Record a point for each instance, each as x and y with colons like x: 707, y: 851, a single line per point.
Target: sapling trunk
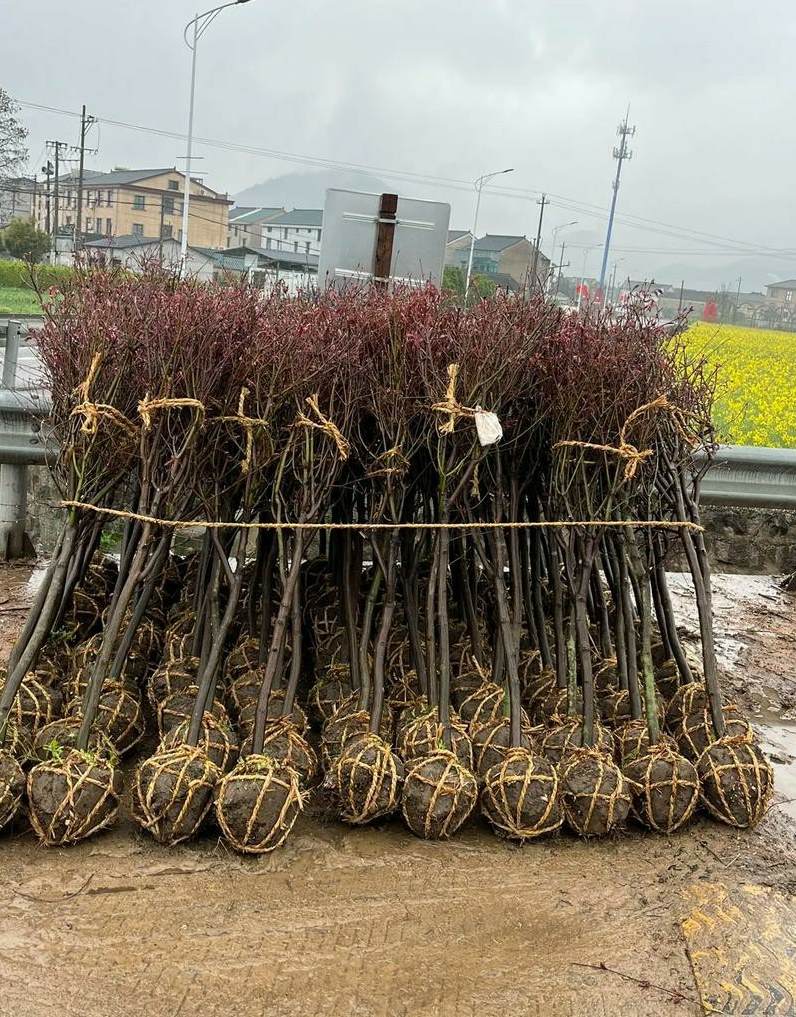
x: 277, y: 641
x: 409, y: 586
x: 382, y: 639
x: 41, y: 629
x: 444, y: 656
x: 558, y: 618
x: 266, y: 601
x: 150, y: 581
x: 350, y: 606
x: 601, y: 611
x: 670, y: 623
x: 527, y: 591
x: 38, y: 603
x: 572, y: 663
x: 620, y: 640
x: 507, y: 640
x: 631, y: 658
x: 536, y: 590
x: 702, y: 590
x: 640, y: 571
x: 365, y: 636
x: 296, y: 639
x: 431, y: 622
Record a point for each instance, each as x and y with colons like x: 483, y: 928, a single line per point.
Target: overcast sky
x: 454, y: 89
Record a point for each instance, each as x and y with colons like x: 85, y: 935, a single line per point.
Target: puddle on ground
x: 778, y: 741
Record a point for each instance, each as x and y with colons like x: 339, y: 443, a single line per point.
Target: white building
x: 298, y: 231
x: 134, y: 252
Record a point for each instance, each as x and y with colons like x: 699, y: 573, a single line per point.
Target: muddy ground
x: 375, y: 923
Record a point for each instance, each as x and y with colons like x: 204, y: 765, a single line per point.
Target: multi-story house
x: 496, y: 255
x: 299, y: 231
x: 143, y: 203
x: 246, y: 225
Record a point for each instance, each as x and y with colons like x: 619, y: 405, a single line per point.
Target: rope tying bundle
x: 451, y: 405
x: 326, y: 425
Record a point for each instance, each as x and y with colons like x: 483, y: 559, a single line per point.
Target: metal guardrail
x: 740, y: 475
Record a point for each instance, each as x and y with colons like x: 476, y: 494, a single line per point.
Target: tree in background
x: 453, y: 280
x: 22, y: 240
x: 13, y: 151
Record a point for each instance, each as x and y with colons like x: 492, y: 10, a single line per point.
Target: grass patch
x: 16, y: 300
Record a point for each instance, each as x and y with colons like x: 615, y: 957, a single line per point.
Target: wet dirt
x: 376, y: 923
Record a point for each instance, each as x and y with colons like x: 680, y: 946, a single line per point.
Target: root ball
x: 72, y: 798
x: 173, y: 792
x: 216, y: 739
x: 737, y: 781
x: 665, y: 788
x: 438, y: 795
x: 520, y: 795
x: 368, y: 776
x: 594, y: 794
x: 12, y: 787
x: 257, y: 804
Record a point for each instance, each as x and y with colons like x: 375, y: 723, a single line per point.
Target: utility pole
x: 680, y: 305
x: 56, y: 147
x: 561, y: 266
x: 48, y: 172
x: 85, y: 123
x: 737, y: 300
x: 621, y: 152
x: 534, y: 267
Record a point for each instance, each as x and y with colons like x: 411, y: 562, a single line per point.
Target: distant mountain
x: 306, y: 190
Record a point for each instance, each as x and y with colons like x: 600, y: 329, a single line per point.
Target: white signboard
x: 350, y: 228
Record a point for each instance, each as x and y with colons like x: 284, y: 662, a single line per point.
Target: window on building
x: 267, y: 242
x: 109, y: 198
x: 89, y: 225
x: 295, y: 246
x: 69, y: 220
x: 285, y: 232
x: 166, y: 232
x: 179, y: 235
x: 138, y: 229
x: 174, y: 185
x: 788, y: 296
x: 138, y: 201
x: 319, y: 234
x: 307, y: 247
x: 108, y: 227
x: 168, y: 204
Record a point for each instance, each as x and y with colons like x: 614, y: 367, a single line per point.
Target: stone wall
x: 751, y: 541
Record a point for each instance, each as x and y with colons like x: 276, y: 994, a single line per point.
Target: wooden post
x: 385, y: 234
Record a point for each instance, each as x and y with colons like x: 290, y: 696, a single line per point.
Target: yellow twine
x: 248, y: 424
x: 147, y: 405
x: 213, y: 524
x: 325, y: 425
x: 451, y: 404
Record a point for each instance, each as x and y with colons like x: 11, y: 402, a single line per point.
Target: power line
x: 525, y: 194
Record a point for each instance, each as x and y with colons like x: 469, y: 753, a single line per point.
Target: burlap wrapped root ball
x: 55, y: 738
x: 536, y: 690
x: 257, y: 804
x: 595, y: 796
x: 12, y: 787
x: 173, y: 792
x: 689, y: 698
x: 119, y: 717
x: 72, y: 797
x: 667, y: 678
x: 424, y: 734
x: 438, y: 795
x: 482, y: 706
x: 276, y: 705
x: 555, y: 708
x: 492, y: 743
x: 561, y: 741
x: 329, y: 693
x: 35, y: 704
x: 368, y: 776
x: 520, y: 795
x: 737, y: 781
x: 216, y: 739
x: 179, y: 707
x: 632, y: 740
x: 695, y: 731
x: 171, y: 677
x: 286, y: 745
x: 665, y: 788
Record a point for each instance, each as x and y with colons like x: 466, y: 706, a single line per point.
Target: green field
x: 16, y: 300
x: 756, y: 396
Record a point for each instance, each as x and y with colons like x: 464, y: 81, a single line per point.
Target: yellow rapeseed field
x: 756, y: 397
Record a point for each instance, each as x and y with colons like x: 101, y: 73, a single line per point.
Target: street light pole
x: 556, y: 230
x: 200, y: 23
x: 479, y: 186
